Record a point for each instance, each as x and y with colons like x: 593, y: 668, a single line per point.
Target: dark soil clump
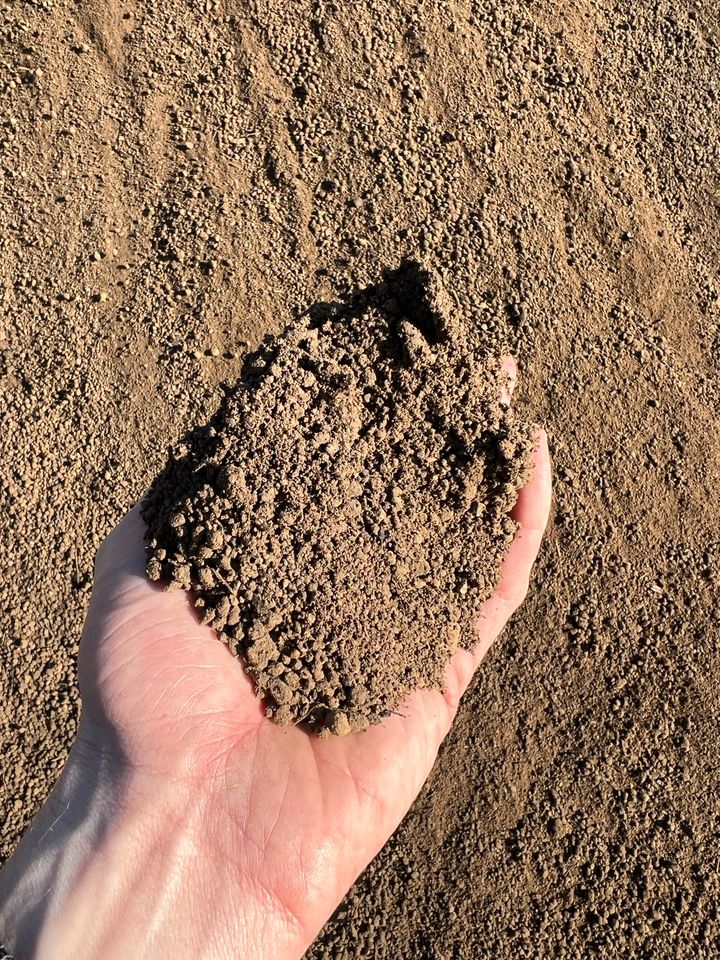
x: 343, y: 516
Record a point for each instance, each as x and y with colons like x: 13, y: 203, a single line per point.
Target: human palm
x: 287, y: 820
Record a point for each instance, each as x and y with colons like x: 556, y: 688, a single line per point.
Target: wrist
x: 55, y: 851
x: 121, y: 862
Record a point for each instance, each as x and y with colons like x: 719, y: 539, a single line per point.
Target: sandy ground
x: 180, y: 177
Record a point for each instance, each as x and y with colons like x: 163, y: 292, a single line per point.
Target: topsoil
x: 344, y: 514
x: 178, y: 176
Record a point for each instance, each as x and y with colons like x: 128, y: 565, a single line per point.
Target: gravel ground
x: 179, y: 178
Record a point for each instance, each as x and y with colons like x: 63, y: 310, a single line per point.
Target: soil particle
x: 358, y: 479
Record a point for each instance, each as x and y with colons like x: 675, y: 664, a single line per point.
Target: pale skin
x: 185, y: 823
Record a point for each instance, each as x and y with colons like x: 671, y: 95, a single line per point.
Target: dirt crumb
x: 343, y: 515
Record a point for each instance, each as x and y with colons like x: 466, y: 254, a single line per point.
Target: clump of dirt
x: 344, y: 514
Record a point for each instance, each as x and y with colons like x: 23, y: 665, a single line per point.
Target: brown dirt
x: 342, y: 517
x: 176, y: 175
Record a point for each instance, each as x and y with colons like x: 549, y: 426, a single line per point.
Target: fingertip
x: 532, y: 509
x: 542, y: 463
x: 531, y: 514
x: 509, y: 367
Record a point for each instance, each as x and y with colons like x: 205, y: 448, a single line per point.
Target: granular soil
x: 175, y: 174
x: 344, y: 514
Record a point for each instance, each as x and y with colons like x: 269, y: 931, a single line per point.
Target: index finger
x: 531, y: 513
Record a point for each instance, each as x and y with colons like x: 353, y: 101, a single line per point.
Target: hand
x: 208, y: 830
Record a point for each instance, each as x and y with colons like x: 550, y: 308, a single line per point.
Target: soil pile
x: 344, y: 514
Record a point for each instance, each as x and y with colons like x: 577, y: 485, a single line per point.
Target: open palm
x: 287, y: 820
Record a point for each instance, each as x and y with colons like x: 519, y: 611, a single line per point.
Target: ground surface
x: 178, y: 176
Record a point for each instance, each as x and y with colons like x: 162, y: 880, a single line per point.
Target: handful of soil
x: 344, y: 514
